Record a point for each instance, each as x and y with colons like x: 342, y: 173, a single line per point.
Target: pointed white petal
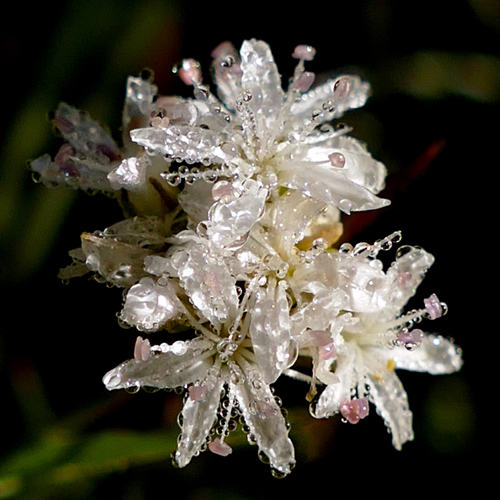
x: 270, y: 331
x: 191, y: 144
x: 335, y: 394
x: 197, y: 420
x: 261, y: 78
x: 230, y: 221
x: 163, y: 371
x: 266, y: 422
x: 389, y: 396
x: 359, y: 166
x: 436, y: 355
x: 353, y: 97
x: 327, y: 185
x: 208, y: 282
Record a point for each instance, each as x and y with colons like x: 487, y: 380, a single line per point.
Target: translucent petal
x: 229, y: 222
x: 148, y: 306
x: 391, y: 401
x: 436, y: 355
x: 355, y: 97
x: 227, y: 69
x: 261, y: 78
x: 192, y: 144
x: 198, y: 418
x: 77, y: 172
x: 138, y: 98
x: 163, y: 371
x: 292, y: 213
x: 406, y: 273
x: 85, y: 134
x: 119, y: 263
x: 270, y: 331
x: 329, y: 186
x: 130, y: 174
x: 266, y: 422
x: 209, y: 284
x: 359, y: 166
x: 364, y: 282
x: 334, y: 394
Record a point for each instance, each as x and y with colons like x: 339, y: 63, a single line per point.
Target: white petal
x: 197, y: 420
x: 270, y: 331
x: 266, y: 422
x: 405, y: 274
x: 335, y: 394
x: 312, y: 100
x: 292, y: 213
x: 192, y: 144
x: 388, y: 395
x: 148, y: 306
x: 261, y: 78
x: 163, y: 371
x: 230, y: 222
x: 130, y: 174
x: 209, y: 283
x: 360, y: 167
x: 325, y: 184
x: 436, y: 355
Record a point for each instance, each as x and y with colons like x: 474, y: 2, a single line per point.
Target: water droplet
x: 277, y: 473
x: 345, y: 248
x: 133, y: 389
x: 403, y: 251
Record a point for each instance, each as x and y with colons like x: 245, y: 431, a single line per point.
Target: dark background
x: 435, y: 71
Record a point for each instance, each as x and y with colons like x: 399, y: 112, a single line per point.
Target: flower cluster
x: 233, y: 206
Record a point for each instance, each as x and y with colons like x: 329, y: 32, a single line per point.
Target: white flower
x: 258, y: 131
x: 91, y: 160
x: 234, y: 252
x: 227, y: 367
x: 371, y: 338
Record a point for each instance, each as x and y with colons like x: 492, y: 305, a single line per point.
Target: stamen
x: 190, y: 72
x: 142, y: 349
x: 356, y: 409
x: 410, y: 339
x: 219, y: 447
x: 337, y: 160
x: 433, y: 307
x: 304, y: 52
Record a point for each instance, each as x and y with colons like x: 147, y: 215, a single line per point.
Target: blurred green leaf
x: 59, y: 459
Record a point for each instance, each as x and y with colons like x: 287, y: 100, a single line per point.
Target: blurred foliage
x: 435, y: 71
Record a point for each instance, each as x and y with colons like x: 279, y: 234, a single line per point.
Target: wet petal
x: 388, y: 395
x: 208, y: 282
x: 192, y: 144
x: 266, y: 422
x: 270, y: 331
x: 163, y: 371
x: 261, y: 78
x: 435, y: 355
x: 230, y: 221
x: 352, y: 93
x: 327, y: 185
x: 198, y: 417
x: 336, y: 393
x: 357, y: 163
